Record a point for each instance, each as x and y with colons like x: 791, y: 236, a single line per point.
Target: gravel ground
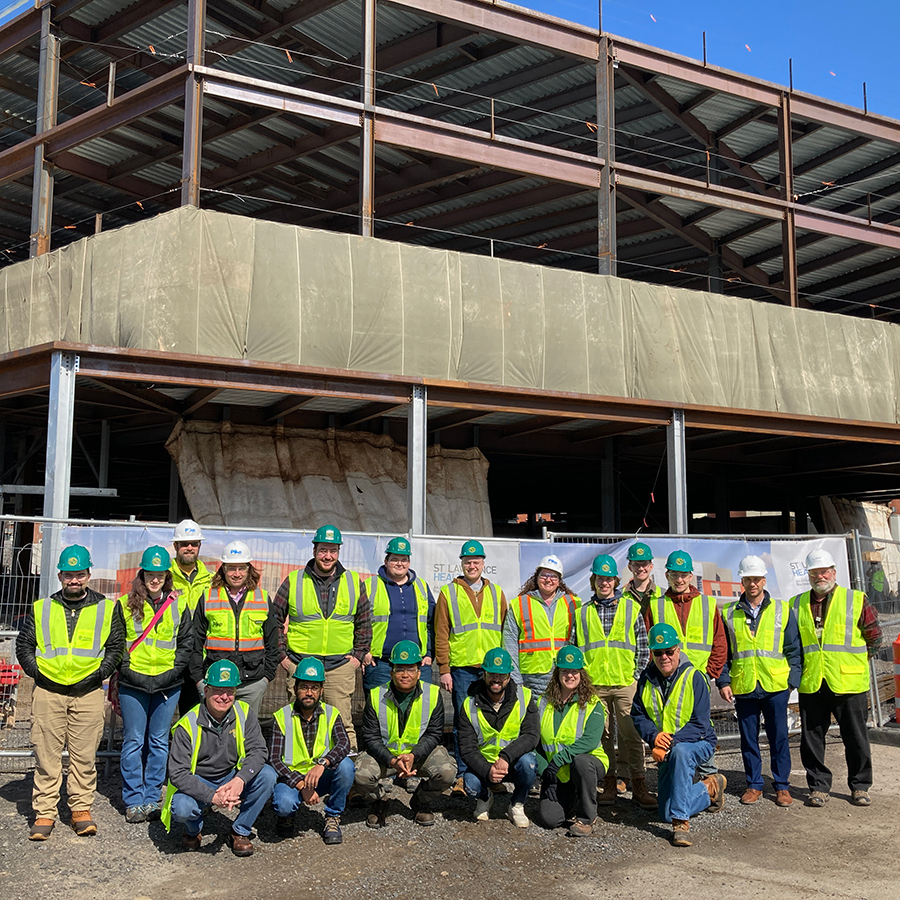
x: 762, y: 850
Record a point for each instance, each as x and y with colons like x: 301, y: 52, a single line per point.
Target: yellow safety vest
x: 156, y: 653
x: 190, y: 722
x: 539, y: 639
x: 697, y: 638
x: 221, y: 634
x: 377, y: 590
x: 571, y: 728
x: 655, y: 594
x: 491, y: 741
x: 420, y: 712
x: 192, y: 591
x: 840, y: 658
x: 760, y: 657
x: 675, y: 711
x: 57, y: 658
x: 308, y: 630
x: 610, y: 658
x: 297, y: 756
x: 470, y: 636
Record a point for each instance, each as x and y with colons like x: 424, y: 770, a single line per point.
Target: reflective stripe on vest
x: 297, y: 756
x: 156, y: 653
x: 758, y: 657
x: 57, y: 658
x: 841, y: 657
x: 381, y: 613
x: 697, y: 637
x: 539, y: 641
x: 308, y: 630
x: 491, y: 741
x: 675, y: 711
x: 471, y: 637
x: 420, y: 712
x: 220, y: 633
x: 570, y: 730
x: 609, y: 659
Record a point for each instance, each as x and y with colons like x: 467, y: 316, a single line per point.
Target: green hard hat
x: 74, y: 559
x: 605, y: 566
x: 679, y: 561
x: 471, y: 548
x: 498, y: 661
x: 405, y: 653
x: 639, y: 552
x: 156, y: 559
x: 662, y: 636
x: 223, y: 673
x: 310, y: 669
x: 399, y: 546
x: 569, y: 657
x: 328, y: 534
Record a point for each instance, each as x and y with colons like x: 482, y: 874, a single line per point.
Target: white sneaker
x: 483, y: 808
x: 516, y: 815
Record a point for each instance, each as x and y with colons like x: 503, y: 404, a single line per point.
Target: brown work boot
x: 82, y: 823
x: 607, y: 797
x: 621, y: 786
x: 41, y: 829
x: 422, y: 808
x: 641, y: 795
x: 681, y: 833
x: 783, y: 798
x: 715, y: 784
x: 191, y: 841
x: 377, y: 815
x: 241, y: 845
x: 751, y: 795
x: 458, y: 790
x: 580, y: 829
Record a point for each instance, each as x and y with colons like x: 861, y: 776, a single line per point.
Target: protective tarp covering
x: 200, y: 282
x: 290, y: 477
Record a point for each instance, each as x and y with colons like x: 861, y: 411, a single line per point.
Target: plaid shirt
x: 606, y: 610
x: 868, y: 623
x: 339, y: 749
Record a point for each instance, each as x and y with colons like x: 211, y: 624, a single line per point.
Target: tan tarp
x: 207, y: 283
x: 289, y: 477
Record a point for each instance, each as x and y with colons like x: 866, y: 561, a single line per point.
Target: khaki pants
x: 617, y: 701
x: 438, y: 772
x: 60, y: 721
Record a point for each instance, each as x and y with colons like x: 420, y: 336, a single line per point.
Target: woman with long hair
x: 158, y: 645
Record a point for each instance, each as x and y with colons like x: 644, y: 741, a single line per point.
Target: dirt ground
x: 762, y: 851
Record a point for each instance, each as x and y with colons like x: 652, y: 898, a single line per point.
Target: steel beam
x: 677, y: 469
x: 788, y: 223
x: 606, y: 148
x: 416, y: 447
x: 367, y: 123
x: 193, y: 106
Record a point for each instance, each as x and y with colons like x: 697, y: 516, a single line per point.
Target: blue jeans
x: 380, y: 673
x: 463, y: 678
x: 521, y: 775
x: 773, y: 708
x: 336, y: 783
x: 680, y: 797
x: 146, y: 720
x: 189, y: 812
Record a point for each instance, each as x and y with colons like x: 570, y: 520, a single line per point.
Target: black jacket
x: 428, y: 740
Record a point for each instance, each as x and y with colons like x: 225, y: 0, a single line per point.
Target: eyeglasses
x: 188, y: 543
x: 670, y: 651
x: 548, y: 576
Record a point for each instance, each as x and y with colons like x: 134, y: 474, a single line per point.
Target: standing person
x: 191, y: 578
x: 159, y: 641
x: 402, y: 610
x: 671, y: 713
x: 234, y: 622
x: 540, y: 622
x: 840, y: 633
x: 468, y: 619
x: 499, y: 729
x: 642, y: 587
x: 764, y: 666
x: 611, y: 633
x: 571, y: 760
x: 329, y: 616
x: 69, y: 643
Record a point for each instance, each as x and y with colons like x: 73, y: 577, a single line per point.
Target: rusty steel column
x: 788, y: 225
x: 48, y: 85
x: 192, y: 151
x: 606, y: 149
x: 367, y: 123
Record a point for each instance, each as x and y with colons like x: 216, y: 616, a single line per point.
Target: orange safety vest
x: 222, y: 634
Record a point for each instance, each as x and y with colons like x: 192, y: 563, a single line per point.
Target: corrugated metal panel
x: 98, y: 11
x: 241, y: 144
x: 721, y: 110
x: 725, y: 222
x: 167, y: 32
x: 102, y: 150
x: 821, y: 251
x: 764, y: 239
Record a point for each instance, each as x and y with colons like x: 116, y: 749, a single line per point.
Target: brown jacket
x: 442, y: 620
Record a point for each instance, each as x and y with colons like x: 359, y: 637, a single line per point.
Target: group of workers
x: 547, y: 687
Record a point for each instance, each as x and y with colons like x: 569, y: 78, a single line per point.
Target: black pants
x: 850, y: 711
x: 575, y: 798
x: 190, y: 696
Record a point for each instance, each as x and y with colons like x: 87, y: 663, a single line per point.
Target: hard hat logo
x: 73, y: 560
x: 404, y: 654
x: 680, y: 561
x: 639, y: 552
x: 605, y: 567
x: 224, y: 674
x: 311, y: 671
x: 498, y: 660
x: 157, y: 560
x: 329, y: 534
x: 659, y: 639
x: 569, y: 657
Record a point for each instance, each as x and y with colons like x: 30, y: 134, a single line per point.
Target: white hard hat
x: 819, y: 559
x: 751, y: 565
x: 187, y: 530
x: 552, y: 563
x: 237, y: 552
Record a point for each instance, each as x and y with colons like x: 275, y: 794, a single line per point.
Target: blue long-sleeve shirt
x: 403, y: 623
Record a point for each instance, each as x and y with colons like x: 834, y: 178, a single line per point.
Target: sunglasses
x: 669, y: 651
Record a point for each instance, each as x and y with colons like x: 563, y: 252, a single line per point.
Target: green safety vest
x: 297, y: 756
x: 610, y: 658
x: 840, y: 658
x: 420, y: 712
x: 697, y: 638
x: 539, y: 639
x: 675, y: 711
x: 377, y: 590
x: 221, y: 634
x: 491, y: 741
x: 192, y: 591
x: 64, y: 662
x: 190, y: 722
x: 156, y: 653
x: 309, y: 632
x: 571, y: 728
x: 760, y: 657
x: 470, y: 636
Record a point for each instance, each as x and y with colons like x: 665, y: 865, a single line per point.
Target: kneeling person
x: 402, y: 726
x: 217, y: 757
x: 571, y: 759
x: 499, y: 729
x: 310, y: 753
